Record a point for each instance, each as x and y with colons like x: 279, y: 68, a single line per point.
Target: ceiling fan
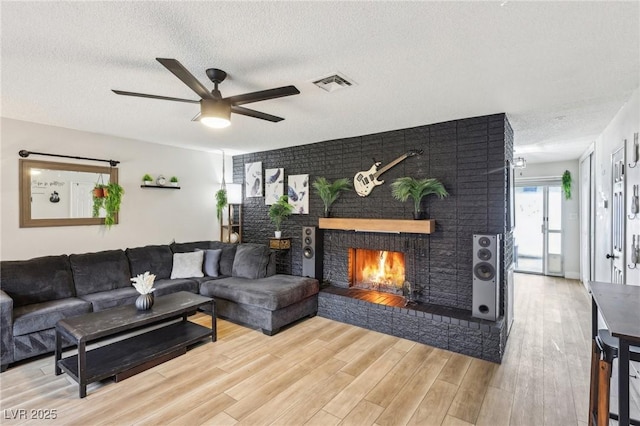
x: 215, y: 111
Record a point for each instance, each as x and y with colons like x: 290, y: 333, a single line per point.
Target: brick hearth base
x: 438, y: 326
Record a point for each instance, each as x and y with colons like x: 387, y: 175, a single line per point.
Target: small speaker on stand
x: 312, y: 252
x: 486, y: 276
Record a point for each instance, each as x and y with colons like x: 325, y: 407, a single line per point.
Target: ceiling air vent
x: 333, y: 82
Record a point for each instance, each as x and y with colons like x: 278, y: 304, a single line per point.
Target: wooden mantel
x: 426, y: 226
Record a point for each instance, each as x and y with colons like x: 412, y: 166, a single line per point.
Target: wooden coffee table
x: 134, y: 354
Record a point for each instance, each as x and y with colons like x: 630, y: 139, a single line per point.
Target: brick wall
x: 467, y: 155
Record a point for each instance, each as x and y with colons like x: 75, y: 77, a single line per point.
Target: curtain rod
x: 24, y: 154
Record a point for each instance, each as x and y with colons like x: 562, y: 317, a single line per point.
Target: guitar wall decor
x: 366, y: 180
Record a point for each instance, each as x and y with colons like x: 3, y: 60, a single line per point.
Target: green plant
x: 329, y: 192
x: 147, y: 178
x: 566, y: 184
x: 221, y: 202
x: 174, y: 179
x: 98, y: 199
x: 407, y: 187
x: 279, y: 211
x: 112, y: 201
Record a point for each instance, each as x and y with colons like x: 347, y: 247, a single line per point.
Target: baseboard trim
x: 572, y: 275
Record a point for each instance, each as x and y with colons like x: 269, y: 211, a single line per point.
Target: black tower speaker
x: 486, y: 277
x: 312, y: 252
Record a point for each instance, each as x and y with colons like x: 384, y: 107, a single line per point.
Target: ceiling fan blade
x: 143, y: 95
x: 263, y: 95
x: 255, y: 114
x: 187, y: 78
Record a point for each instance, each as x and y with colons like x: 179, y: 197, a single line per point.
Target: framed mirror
x: 60, y: 194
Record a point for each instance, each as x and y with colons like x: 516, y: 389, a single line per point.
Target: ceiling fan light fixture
x: 215, y: 114
x: 215, y: 122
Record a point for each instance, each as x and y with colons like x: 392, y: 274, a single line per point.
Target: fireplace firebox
x: 379, y: 270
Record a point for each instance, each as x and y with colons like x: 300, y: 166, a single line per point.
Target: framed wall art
x: 273, y: 185
x: 298, y: 193
x: 253, y: 179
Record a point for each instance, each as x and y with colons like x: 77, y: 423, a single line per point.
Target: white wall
x: 147, y: 216
x: 570, y: 209
x: 625, y: 123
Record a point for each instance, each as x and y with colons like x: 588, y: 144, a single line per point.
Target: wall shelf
x: 160, y: 186
x: 427, y: 226
x: 280, y: 243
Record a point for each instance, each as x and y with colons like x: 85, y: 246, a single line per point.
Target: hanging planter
x: 98, y: 192
x: 566, y: 184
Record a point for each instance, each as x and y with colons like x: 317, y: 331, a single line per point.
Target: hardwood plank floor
x: 321, y: 372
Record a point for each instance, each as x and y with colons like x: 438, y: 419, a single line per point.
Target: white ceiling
x: 560, y: 70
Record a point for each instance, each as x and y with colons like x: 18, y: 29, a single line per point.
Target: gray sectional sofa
x: 36, y: 293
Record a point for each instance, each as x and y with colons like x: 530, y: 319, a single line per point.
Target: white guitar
x: 366, y: 180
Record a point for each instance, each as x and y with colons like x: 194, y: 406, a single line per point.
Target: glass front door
x: 538, y: 232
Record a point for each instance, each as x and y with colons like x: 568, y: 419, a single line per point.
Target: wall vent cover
x: 333, y: 82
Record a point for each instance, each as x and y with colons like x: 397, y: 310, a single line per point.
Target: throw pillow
x: 211, y: 264
x: 250, y: 261
x: 187, y: 265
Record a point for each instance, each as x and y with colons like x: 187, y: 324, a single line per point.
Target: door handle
x: 612, y: 256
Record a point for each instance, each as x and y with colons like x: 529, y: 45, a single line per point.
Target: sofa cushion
x: 163, y: 287
x: 211, y: 262
x: 251, y: 261
x: 189, y: 247
x: 37, y: 280
x: 42, y: 316
x: 158, y: 260
x: 186, y: 265
x: 226, y: 257
x: 102, y: 271
x: 112, y: 298
x: 271, y: 266
x: 272, y: 293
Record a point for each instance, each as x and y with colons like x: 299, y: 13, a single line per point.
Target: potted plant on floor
x: 278, y: 212
x: 329, y: 192
x: 147, y: 179
x: 407, y: 187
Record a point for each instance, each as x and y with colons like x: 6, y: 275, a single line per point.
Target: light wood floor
x: 322, y: 372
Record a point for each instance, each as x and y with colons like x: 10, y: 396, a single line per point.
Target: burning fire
x: 378, y: 267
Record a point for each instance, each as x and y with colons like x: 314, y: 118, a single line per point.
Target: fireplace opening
x: 379, y: 270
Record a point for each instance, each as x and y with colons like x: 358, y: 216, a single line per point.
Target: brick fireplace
x: 468, y: 156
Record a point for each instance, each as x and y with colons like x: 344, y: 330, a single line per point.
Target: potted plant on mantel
x: 278, y: 212
x: 407, y: 187
x: 329, y: 192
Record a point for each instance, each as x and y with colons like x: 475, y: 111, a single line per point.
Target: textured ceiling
x: 560, y: 70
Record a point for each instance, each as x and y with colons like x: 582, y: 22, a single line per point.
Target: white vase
x: 278, y: 234
x: 147, y: 182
